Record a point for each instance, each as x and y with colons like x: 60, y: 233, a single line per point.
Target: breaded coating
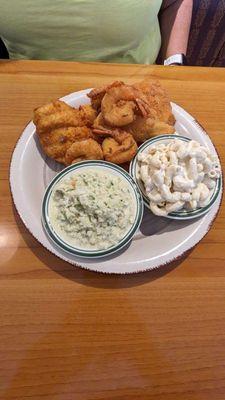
x: 59, y: 114
x: 158, y: 101
x: 56, y: 143
x: 119, y: 117
x: 81, y: 150
x: 118, y: 147
x: 59, y: 125
x: 142, y: 109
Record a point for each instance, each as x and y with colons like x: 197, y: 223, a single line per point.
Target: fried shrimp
x: 159, y: 119
x: 141, y: 129
x: 96, y: 95
x: 121, y: 104
x: 87, y: 149
x: 119, y: 147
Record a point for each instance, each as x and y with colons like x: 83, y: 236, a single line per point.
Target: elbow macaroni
x: 178, y: 175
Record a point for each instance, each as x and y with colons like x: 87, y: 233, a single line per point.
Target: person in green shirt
x: 123, y: 31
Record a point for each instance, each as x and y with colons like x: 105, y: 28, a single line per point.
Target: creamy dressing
x: 92, y: 209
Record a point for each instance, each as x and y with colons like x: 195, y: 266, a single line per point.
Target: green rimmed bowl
x: 84, y: 166
x: 182, y: 214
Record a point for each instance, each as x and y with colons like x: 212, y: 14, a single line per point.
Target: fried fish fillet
x: 58, y: 126
x: 59, y: 114
x: 159, y: 120
x: 143, y: 129
x: 57, y: 142
x: 158, y: 101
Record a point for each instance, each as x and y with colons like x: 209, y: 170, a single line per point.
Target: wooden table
x: 69, y: 334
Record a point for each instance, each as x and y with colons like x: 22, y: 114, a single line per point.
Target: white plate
x: 159, y: 240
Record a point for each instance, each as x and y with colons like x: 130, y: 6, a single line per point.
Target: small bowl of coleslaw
x: 179, y: 178
x: 92, y: 209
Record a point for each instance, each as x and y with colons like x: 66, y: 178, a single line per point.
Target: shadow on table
x: 89, y: 278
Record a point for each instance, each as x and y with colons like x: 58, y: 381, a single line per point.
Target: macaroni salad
x: 178, y: 175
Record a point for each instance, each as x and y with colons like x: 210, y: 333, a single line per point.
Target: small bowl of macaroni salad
x: 179, y: 178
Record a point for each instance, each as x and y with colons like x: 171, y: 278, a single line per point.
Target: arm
x: 175, y: 22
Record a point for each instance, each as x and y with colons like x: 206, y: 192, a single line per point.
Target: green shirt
x: 125, y: 31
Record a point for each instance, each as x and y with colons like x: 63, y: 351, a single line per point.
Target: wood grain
x: 71, y: 334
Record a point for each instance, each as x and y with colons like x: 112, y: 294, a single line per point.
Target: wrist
x: 176, y: 59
